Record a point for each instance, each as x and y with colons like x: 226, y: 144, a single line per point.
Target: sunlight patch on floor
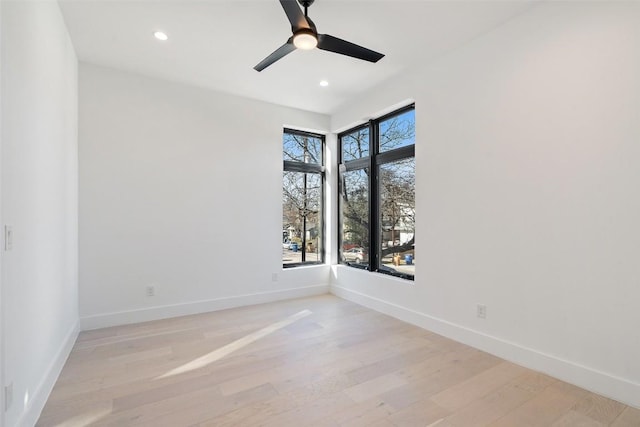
x: 84, y: 420
x: 218, y: 354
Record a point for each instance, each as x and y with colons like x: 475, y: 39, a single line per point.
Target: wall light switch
x: 8, y: 237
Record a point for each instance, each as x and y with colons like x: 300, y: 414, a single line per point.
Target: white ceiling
x: 215, y: 43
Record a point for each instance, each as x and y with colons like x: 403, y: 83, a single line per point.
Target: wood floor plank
x: 311, y: 412
x: 253, y: 414
x: 362, y: 414
x: 599, y: 408
x: 375, y: 386
x: 196, y: 412
x: 337, y: 364
x: 541, y: 411
x: 421, y: 413
x: 461, y: 394
x: 393, y: 363
x: 383, y: 423
x: 500, y: 402
x: 150, y: 412
x: 576, y: 419
x: 630, y: 417
x: 433, y: 375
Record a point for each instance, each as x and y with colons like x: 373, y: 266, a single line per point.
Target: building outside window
x: 377, y: 195
x: 302, y: 198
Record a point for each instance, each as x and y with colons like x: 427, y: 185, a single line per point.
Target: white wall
x: 180, y: 188
x: 39, y: 199
x: 527, y: 194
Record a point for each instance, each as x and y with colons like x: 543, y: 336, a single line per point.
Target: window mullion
x: 357, y: 164
x: 302, y: 167
x: 395, y: 155
x: 374, y: 216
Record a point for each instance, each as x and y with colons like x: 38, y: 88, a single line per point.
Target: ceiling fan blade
x: 343, y: 47
x: 279, y: 53
x: 295, y: 15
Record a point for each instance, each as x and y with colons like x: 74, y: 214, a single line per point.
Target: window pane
x: 377, y: 224
x: 301, y: 217
x: 355, y: 145
x: 302, y: 148
x: 355, y: 217
x: 397, y: 216
x: 398, y: 131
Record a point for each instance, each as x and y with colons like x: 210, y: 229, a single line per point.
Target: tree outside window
x: 302, y: 198
x: 377, y: 180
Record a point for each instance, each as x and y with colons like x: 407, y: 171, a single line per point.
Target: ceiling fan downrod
x: 305, y: 4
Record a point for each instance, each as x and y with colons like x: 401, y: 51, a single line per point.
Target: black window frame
x: 374, y: 160
x: 310, y: 168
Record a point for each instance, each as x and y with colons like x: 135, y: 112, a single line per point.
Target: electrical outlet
x: 8, y: 237
x: 482, y: 311
x: 274, y: 277
x: 151, y: 291
x: 8, y: 396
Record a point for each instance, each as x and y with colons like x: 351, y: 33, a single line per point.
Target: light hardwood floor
x: 319, y: 361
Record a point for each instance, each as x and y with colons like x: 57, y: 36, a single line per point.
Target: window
x: 302, y: 198
x: 377, y: 187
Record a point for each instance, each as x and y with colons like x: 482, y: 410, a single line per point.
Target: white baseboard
x: 197, y: 307
x: 590, y: 379
x: 43, y: 389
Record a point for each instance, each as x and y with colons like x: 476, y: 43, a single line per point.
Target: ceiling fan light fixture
x: 305, y: 39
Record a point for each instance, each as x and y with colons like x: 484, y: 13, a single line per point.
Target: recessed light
x: 160, y: 35
x: 324, y: 83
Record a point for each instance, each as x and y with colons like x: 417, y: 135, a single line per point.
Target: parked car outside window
x: 356, y: 255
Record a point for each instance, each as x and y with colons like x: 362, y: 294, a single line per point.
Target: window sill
x: 397, y: 275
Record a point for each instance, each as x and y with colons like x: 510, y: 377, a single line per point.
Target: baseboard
x: 197, y: 307
x: 43, y: 389
x: 590, y: 379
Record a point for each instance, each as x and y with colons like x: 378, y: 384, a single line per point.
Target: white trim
x: 184, y: 309
x: 590, y: 379
x: 2, y: 310
x: 31, y: 414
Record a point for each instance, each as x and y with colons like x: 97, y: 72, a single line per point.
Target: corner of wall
x: 197, y: 307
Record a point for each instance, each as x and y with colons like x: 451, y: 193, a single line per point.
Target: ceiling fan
x: 305, y: 36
